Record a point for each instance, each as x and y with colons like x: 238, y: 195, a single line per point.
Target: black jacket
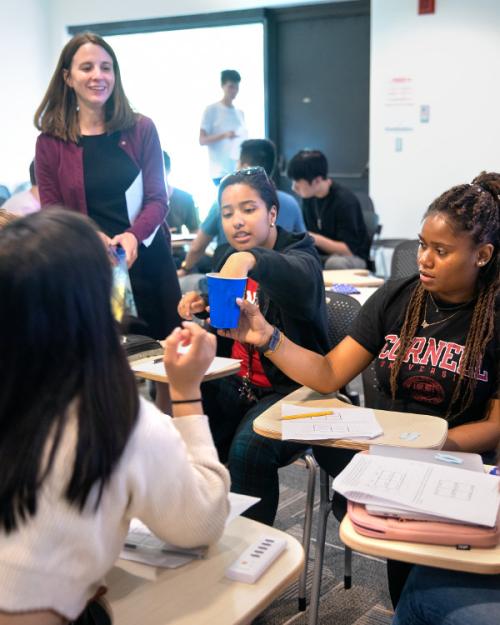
x: 291, y: 296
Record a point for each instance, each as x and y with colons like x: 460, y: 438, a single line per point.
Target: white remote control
x: 256, y: 559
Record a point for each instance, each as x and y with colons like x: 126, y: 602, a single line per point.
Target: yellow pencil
x: 306, y: 415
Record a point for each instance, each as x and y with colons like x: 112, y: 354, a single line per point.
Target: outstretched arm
x: 324, y: 374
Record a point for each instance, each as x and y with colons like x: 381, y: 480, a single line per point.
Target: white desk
x: 198, y: 593
x: 355, y: 277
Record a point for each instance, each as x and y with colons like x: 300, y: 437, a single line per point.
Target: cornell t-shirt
x: 430, y: 369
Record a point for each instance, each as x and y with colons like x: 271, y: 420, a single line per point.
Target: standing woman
x: 97, y: 157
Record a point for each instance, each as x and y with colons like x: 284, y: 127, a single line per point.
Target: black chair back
x: 404, y: 259
x: 341, y: 310
x: 370, y: 385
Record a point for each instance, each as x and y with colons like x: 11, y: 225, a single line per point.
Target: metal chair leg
x: 306, y: 536
x: 325, y: 508
x: 347, y: 567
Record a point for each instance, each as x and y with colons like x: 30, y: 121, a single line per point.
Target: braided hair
x: 475, y: 209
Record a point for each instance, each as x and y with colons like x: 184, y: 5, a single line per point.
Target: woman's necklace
x: 426, y: 324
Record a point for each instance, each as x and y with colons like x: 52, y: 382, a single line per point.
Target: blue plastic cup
x: 222, y: 294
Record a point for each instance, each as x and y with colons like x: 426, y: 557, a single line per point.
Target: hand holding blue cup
x: 222, y: 294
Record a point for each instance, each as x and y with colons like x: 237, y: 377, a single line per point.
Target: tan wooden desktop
x: 198, y: 593
x: 432, y: 430
x: 222, y: 373
x: 355, y: 277
x: 486, y: 561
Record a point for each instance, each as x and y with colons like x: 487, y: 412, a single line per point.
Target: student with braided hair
x: 434, y: 336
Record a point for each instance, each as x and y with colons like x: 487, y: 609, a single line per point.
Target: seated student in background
x: 434, y: 337
x: 262, y: 153
x: 254, y: 153
x: 284, y: 277
x: 25, y: 202
x: 183, y: 210
x: 332, y: 213
x: 81, y: 453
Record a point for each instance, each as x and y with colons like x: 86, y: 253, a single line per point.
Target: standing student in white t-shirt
x: 223, y: 128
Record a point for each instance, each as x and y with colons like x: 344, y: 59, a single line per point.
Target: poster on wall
x: 400, y: 110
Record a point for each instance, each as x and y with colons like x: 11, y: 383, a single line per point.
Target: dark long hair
x: 57, y: 114
x: 475, y: 209
x: 58, y: 345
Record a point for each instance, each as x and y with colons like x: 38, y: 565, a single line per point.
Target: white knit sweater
x: 169, y: 476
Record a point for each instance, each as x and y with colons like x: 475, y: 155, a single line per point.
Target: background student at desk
x: 81, y: 453
x: 435, y: 337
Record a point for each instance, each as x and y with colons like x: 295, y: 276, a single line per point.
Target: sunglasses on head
x: 247, y: 171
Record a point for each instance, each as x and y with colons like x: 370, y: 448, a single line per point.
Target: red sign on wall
x: 426, y: 6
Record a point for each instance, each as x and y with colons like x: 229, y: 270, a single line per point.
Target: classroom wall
x: 33, y: 33
x: 449, y: 61
x: 24, y: 54
x: 95, y: 11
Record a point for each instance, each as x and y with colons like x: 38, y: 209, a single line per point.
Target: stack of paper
x: 312, y: 424
x: 141, y: 545
x: 449, y: 492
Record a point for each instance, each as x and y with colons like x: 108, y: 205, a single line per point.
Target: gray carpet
x: 366, y: 603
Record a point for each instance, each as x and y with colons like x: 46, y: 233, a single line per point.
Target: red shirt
x: 242, y: 351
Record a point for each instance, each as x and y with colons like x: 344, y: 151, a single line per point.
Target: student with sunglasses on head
x: 434, y: 336
x: 284, y: 278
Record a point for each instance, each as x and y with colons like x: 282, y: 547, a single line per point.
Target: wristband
x: 185, y: 401
x: 274, y: 342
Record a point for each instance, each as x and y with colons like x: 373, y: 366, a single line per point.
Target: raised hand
x: 185, y: 370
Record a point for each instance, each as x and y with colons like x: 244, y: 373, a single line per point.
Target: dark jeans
x: 253, y: 460
x: 333, y: 461
x: 433, y: 596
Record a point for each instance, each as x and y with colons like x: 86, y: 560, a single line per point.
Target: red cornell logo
x: 425, y: 389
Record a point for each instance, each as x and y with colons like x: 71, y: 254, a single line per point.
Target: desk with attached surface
x: 431, y: 431
x: 220, y: 368
x: 474, y: 560
x: 355, y: 277
x: 198, y: 592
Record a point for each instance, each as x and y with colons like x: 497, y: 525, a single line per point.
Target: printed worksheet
x: 444, y: 491
x: 315, y: 425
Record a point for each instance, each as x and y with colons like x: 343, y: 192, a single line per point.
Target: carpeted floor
x: 366, y: 603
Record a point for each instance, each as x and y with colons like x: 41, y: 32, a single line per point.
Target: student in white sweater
x: 80, y: 453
